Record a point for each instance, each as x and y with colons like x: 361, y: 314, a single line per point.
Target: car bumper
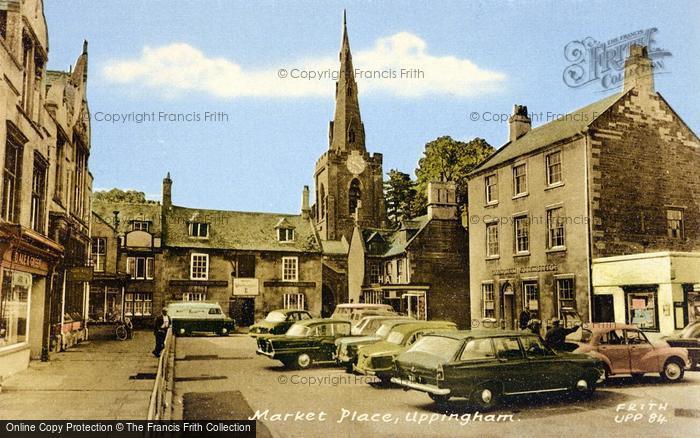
x: 430, y: 389
x: 270, y: 354
x: 344, y: 358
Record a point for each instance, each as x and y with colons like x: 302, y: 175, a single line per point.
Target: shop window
x: 14, y: 307
x: 641, y: 310
x: 488, y: 298
x: 11, y: 177
x: 555, y: 228
x: 99, y: 253
x: 491, y: 183
x: 290, y: 268
x: 531, y: 299
x: 373, y: 297
x: 492, y: 240
x: 522, y: 235
x: 566, y: 295
x: 199, y: 266
x: 199, y: 229
x: 554, y: 168
x: 138, y: 304
x: 294, y: 301
x: 674, y: 219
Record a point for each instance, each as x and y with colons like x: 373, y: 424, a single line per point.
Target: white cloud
x: 180, y: 68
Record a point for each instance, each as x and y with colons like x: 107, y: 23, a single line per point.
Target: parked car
x: 378, y: 359
x: 188, y: 317
x: 346, y: 354
x: 305, y: 343
x: 688, y: 338
x: 626, y: 350
x: 355, y: 312
x: 487, y: 365
x: 278, y: 322
x: 369, y: 324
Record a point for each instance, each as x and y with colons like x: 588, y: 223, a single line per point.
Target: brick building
x: 44, y: 150
x: 596, y: 213
x: 421, y: 268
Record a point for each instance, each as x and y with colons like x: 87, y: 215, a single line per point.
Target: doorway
x: 603, y: 308
x: 327, y: 301
x: 508, y: 305
x: 242, y: 310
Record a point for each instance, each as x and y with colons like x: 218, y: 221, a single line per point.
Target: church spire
x: 346, y: 131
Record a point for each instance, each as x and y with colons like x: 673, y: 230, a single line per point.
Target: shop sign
x: 245, y: 286
x: 26, y: 260
x: 526, y: 269
x: 79, y: 274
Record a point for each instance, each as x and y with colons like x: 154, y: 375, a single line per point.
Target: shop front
x: 408, y: 299
x: 658, y: 292
x: 27, y: 262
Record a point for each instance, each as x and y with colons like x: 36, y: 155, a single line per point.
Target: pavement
x: 97, y: 379
x: 223, y: 378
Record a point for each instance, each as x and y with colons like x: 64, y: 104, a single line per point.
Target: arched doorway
x: 327, y: 301
x: 508, y: 305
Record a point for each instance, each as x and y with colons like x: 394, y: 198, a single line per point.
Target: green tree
x: 447, y: 159
x: 399, y: 195
x: 118, y: 195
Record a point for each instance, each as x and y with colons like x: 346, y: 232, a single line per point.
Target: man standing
x: 160, y: 329
x: 524, y: 319
x: 556, y: 336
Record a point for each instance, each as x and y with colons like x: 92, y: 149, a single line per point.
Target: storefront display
x: 14, y: 307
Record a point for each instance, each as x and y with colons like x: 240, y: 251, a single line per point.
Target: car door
x: 512, y: 367
x: 612, y: 345
x: 640, y: 347
x: 476, y: 363
x: 547, y: 370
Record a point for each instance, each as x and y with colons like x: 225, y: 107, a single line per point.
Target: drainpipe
x: 589, y: 228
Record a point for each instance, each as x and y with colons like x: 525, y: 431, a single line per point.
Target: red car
x: 626, y: 350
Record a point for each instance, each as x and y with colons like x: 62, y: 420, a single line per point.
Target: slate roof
x: 395, y: 241
x: 239, y: 230
x: 129, y: 212
x: 560, y: 129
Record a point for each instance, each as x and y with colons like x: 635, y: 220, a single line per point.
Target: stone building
x: 348, y: 181
x: 126, y: 258
x: 596, y: 213
x: 421, y: 268
x: 251, y: 263
x: 44, y: 217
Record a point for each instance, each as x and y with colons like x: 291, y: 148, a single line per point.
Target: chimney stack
x: 305, y: 209
x: 519, y: 123
x: 167, y: 192
x: 639, y: 70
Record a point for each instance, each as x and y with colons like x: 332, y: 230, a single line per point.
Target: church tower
x: 349, y: 184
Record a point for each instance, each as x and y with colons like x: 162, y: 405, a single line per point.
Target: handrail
x: 158, y: 403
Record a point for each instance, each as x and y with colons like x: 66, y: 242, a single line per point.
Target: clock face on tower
x: 356, y: 164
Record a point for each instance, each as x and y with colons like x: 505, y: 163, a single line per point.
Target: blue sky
x: 193, y: 57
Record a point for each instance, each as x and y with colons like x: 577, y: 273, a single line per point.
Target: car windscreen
x: 395, y: 338
x: 442, y: 347
x: 692, y: 331
x: 298, y: 330
x: 275, y: 317
x: 586, y: 335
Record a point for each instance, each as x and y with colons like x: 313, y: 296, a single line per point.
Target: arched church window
x: 351, y: 136
x: 354, y: 195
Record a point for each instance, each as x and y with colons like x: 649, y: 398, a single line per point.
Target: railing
x: 161, y: 396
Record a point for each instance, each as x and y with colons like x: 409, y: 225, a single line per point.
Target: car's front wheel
x: 439, y: 398
x: 485, y: 397
x: 303, y: 361
x: 583, y: 387
x: 223, y: 331
x: 672, y: 371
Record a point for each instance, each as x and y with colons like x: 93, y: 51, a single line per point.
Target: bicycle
x: 124, y: 329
